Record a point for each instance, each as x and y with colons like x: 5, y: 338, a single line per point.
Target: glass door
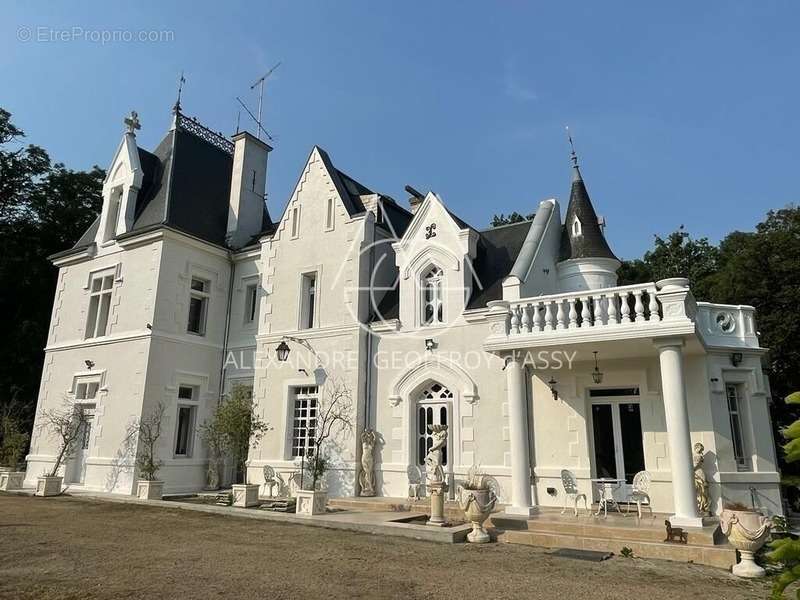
x: 618, y: 445
x: 82, y: 445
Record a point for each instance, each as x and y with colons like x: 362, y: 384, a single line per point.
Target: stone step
x: 627, y: 528
x: 451, y: 509
x: 722, y: 556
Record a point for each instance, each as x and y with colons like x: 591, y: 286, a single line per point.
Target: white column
x: 673, y: 388
x: 521, y: 500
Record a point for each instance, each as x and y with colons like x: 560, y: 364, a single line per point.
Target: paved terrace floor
x: 82, y: 547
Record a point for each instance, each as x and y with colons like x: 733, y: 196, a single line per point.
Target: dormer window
x: 112, y: 217
x: 432, y: 306
x: 576, y: 227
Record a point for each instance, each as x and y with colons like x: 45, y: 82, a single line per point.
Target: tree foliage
x: 13, y: 437
x: 514, y: 217
x: 44, y: 208
x: 65, y: 424
x: 236, y: 427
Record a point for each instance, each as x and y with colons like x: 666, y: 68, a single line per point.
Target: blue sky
x: 682, y: 113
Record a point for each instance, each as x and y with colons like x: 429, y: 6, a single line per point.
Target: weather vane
x: 573, y: 157
x: 181, y: 81
x: 132, y: 122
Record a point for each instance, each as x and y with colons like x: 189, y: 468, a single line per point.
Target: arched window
x: 432, y: 310
x: 433, y: 409
x: 576, y: 227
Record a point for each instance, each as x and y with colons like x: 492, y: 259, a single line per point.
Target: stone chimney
x: 415, y: 199
x: 247, y: 207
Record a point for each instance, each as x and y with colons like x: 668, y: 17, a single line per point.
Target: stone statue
x: 700, y: 481
x: 212, y: 474
x: 367, y: 476
x: 433, y: 460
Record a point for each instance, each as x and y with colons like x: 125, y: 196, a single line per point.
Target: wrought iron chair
x: 414, y: 481
x: 640, y: 492
x: 571, y: 491
x: 272, y: 479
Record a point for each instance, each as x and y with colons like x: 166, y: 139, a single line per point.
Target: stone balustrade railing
x: 607, y: 307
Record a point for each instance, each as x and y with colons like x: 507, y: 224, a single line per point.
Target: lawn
x: 74, y: 548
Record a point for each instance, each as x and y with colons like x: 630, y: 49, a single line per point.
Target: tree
x: 147, y: 431
x: 334, y: 416
x: 13, y: 438
x: 44, y: 209
x: 238, y: 427
x: 514, y: 217
x: 65, y: 424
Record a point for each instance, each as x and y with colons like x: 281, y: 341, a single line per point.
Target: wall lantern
x: 597, y: 374
x: 553, y: 383
x: 430, y: 344
x: 736, y: 358
x: 282, y: 351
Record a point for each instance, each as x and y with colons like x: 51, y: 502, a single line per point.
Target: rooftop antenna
x: 252, y: 116
x: 260, y: 82
x: 238, y: 118
x: 181, y: 81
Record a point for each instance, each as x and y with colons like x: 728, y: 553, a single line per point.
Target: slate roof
x: 591, y: 243
x: 186, y: 186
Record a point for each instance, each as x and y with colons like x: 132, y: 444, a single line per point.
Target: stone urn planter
x: 149, y: 490
x: 245, y: 495
x: 311, y: 502
x: 747, y: 531
x: 477, y: 505
x: 48, y: 485
x: 11, y: 480
x: 672, y: 283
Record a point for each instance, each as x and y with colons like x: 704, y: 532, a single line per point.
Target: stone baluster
x: 586, y: 315
x: 560, y: 316
x: 537, y: 317
x: 639, y: 306
x: 548, y: 316
x: 599, y: 306
x: 515, y: 319
x: 573, y: 314
x: 526, y: 318
x: 626, y: 308
x: 612, y: 309
x: 653, y: 306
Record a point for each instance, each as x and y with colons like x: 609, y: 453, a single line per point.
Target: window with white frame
x: 733, y: 393
x: 198, y: 306
x: 576, y: 227
x: 295, y: 221
x: 330, y: 215
x: 432, y: 296
x: 250, y: 303
x: 86, y: 388
x: 308, y: 302
x: 304, y: 421
x: 114, y: 203
x: 100, y: 290
x: 187, y: 412
x: 432, y: 409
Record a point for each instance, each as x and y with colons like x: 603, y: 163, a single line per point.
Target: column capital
x: 667, y: 342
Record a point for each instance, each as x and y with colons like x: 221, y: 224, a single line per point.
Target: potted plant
x: 13, y: 443
x: 238, y: 428
x: 65, y: 424
x: 477, y: 502
x: 147, y: 431
x: 747, y: 530
x: 334, y: 412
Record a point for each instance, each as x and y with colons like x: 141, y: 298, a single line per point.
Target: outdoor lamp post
x: 282, y: 351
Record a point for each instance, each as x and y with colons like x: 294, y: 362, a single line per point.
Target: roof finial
x: 132, y: 123
x: 573, y: 156
x: 177, y: 108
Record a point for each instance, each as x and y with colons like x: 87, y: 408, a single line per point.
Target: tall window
x: 309, y: 301
x: 184, y: 432
x: 112, y: 217
x: 250, y: 303
x: 99, y: 305
x: 295, y: 222
x: 198, y: 306
x: 432, y: 309
x: 304, y: 423
x: 733, y: 393
x: 432, y: 410
x: 329, y: 219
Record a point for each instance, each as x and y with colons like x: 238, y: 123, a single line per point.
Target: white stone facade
x: 477, y: 348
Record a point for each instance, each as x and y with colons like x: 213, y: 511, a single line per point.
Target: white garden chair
x: 640, y: 492
x: 272, y: 480
x: 571, y: 491
x: 414, y: 481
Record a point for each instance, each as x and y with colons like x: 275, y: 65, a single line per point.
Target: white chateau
x: 517, y: 337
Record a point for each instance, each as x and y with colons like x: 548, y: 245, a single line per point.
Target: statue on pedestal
x: 434, y: 473
x: 366, y: 478
x: 700, y: 481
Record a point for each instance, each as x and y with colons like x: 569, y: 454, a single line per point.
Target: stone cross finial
x: 132, y: 122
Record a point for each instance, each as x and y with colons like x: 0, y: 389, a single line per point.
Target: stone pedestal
x: 245, y: 495
x: 149, y: 490
x: 48, y: 485
x: 11, y: 480
x: 311, y: 502
x: 436, y: 491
